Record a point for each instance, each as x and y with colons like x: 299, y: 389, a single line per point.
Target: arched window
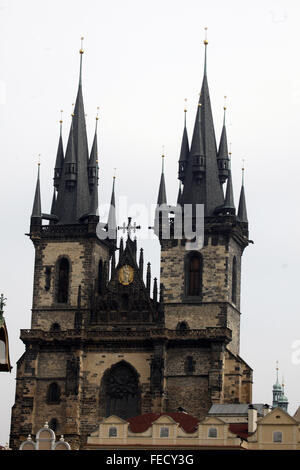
x: 182, y: 326
x: 121, y: 391
x: 100, y: 277
x: 234, y: 280
x: 194, y: 275
x: 63, y: 281
x: 53, y: 395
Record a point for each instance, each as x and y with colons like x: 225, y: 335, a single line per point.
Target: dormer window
x: 113, y: 432
x: 164, y: 432
x: 213, y: 432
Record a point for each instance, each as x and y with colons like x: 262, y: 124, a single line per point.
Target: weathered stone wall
x: 84, y: 256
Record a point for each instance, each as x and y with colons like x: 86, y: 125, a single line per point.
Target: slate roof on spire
x: 223, y: 147
x: 81, y: 151
x: 111, y: 221
x: 59, y: 163
x: 37, y: 206
x: 66, y: 198
x: 73, y: 202
x: 208, y: 191
x: 242, y: 210
x: 229, y: 201
x: 179, y: 194
x: 94, y: 152
x: 184, y: 150
x: 162, y: 196
x: 53, y: 204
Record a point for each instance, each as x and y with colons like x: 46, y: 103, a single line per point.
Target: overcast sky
x: 142, y: 59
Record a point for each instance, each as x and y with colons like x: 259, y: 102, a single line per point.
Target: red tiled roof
x: 142, y: 422
x: 240, y: 429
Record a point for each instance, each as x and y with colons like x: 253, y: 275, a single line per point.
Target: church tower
x: 201, y: 281
x: 106, y: 339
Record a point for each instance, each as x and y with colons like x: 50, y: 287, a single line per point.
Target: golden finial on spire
x: 114, y: 176
x: 97, y: 116
x: 163, y: 158
x: 39, y: 159
x: 225, y: 98
x: 185, y: 100
x: 73, y: 106
x: 205, y: 40
x: 61, y: 119
x: 81, y: 51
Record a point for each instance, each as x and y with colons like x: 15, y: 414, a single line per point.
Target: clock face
x: 126, y: 275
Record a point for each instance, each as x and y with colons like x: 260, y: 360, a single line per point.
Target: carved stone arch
x: 182, y: 326
x: 120, y: 391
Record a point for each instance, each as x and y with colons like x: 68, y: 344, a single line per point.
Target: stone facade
x: 190, y: 368
x: 101, y: 341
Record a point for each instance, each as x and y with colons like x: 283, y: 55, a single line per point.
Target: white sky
x: 142, y: 58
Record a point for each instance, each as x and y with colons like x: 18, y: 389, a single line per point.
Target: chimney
x: 252, y: 419
x: 266, y: 409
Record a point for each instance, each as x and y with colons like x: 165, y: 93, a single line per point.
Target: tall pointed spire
x: 148, y: 278
x: 92, y: 165
x: 179, y: 194
x: 223, y: 156
x: 184, y: 151
x: 81, y: 149
x: 141, y: 261
x: 37, y: 207
x: 203, y: 187
x: 66, y: 197
x: 73, y: 199
x: 59, y: 163
x: 229, y: 202
x: 162, y: 196
x: 112, y: 221
x: 53, y: 204
x: 242, y: 210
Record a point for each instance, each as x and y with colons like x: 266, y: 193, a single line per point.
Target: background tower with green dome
x: 279, y: 399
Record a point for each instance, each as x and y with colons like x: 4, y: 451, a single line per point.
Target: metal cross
x: 129, y: 227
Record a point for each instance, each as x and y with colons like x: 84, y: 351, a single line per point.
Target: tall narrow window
x: 63, y: 281
x: 234, y: 280
x: 53, y: 393
x: 53, y: 424
x: 194, y: 275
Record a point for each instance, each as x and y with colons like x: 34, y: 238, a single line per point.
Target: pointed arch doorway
x: 121, y: 394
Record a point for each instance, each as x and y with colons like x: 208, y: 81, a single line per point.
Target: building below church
x: 231, y: 427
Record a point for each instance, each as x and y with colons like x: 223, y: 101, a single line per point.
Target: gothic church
x: 107, y: 340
